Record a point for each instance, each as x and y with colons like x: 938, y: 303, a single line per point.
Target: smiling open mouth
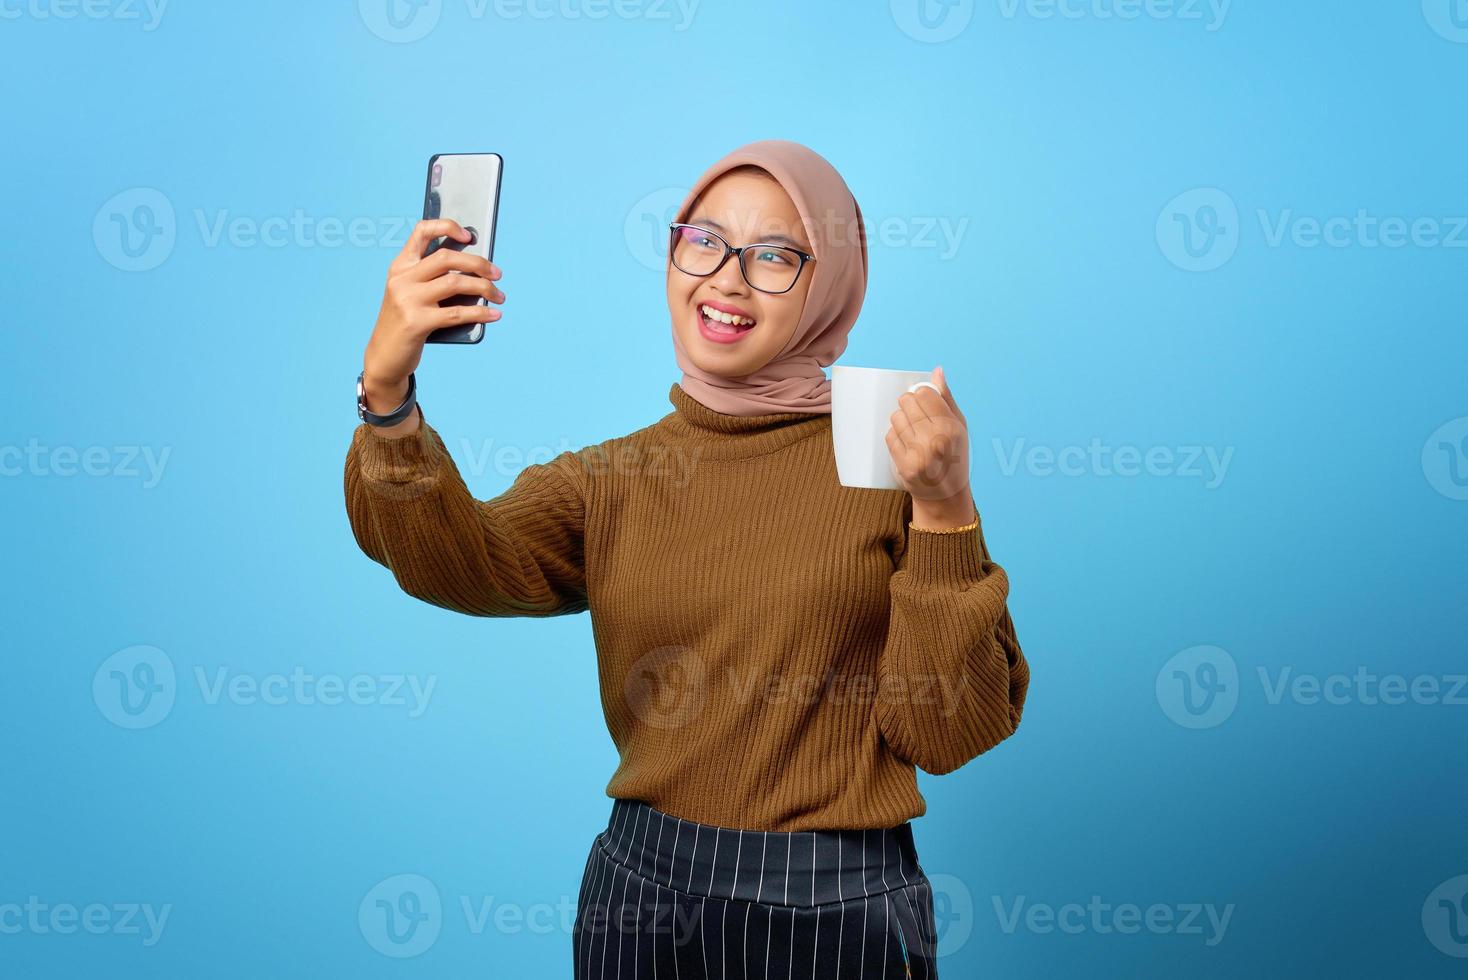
x: 723, y: 326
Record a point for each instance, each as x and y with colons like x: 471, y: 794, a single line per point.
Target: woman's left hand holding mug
x: 928, y: 440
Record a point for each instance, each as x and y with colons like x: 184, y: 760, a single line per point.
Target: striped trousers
x: 671, y: 899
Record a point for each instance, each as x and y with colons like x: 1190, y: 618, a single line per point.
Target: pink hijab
x: 793, y: 380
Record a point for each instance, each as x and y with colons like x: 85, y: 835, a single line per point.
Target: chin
x: 725, y: 367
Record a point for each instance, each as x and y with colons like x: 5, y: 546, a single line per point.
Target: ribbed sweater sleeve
x: 518, y: 554
x: 951, y: 676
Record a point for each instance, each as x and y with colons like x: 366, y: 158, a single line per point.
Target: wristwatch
x: 393, y: 417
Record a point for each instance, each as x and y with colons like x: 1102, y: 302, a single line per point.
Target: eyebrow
x: 775, y: 239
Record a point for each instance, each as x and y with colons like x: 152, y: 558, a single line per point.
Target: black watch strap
x: 391, y: 418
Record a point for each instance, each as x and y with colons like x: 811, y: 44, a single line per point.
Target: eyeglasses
x: 699, y: 252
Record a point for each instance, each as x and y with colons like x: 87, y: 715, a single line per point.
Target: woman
x: 777, y: 653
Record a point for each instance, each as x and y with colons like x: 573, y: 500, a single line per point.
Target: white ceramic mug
x: 862, y: 403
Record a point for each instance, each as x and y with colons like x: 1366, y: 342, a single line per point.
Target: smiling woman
x: 749, y: 307
x: 778, y: 653
x: 746, y: 337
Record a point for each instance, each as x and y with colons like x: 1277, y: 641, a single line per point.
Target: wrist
x: 950, y: 512
x: 397, y: 421
x: 383, y: 395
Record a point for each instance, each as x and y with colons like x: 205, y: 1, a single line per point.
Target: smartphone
x: 466, y: 188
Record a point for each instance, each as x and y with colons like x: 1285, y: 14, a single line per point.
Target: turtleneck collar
x: 739, y: 436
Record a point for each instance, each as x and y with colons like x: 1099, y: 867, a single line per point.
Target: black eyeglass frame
x: 729, y: 250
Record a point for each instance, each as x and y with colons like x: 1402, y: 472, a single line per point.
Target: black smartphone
x: 466, y: 188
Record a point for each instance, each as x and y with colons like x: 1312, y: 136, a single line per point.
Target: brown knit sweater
x: 776, y: 651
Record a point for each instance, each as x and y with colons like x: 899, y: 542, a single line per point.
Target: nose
x: 729, y: 279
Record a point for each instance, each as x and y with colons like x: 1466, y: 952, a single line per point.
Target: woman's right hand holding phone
x: 410, y: 312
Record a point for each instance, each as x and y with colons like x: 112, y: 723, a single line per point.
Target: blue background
x: 1067, y: 313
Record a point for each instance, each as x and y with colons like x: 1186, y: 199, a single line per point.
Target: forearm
x: 952, y: 676
x: 516, y: 555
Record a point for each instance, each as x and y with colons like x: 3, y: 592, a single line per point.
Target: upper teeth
x: 722, y: 317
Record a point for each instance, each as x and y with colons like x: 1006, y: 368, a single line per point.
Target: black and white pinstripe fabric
x: 672, y: 899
